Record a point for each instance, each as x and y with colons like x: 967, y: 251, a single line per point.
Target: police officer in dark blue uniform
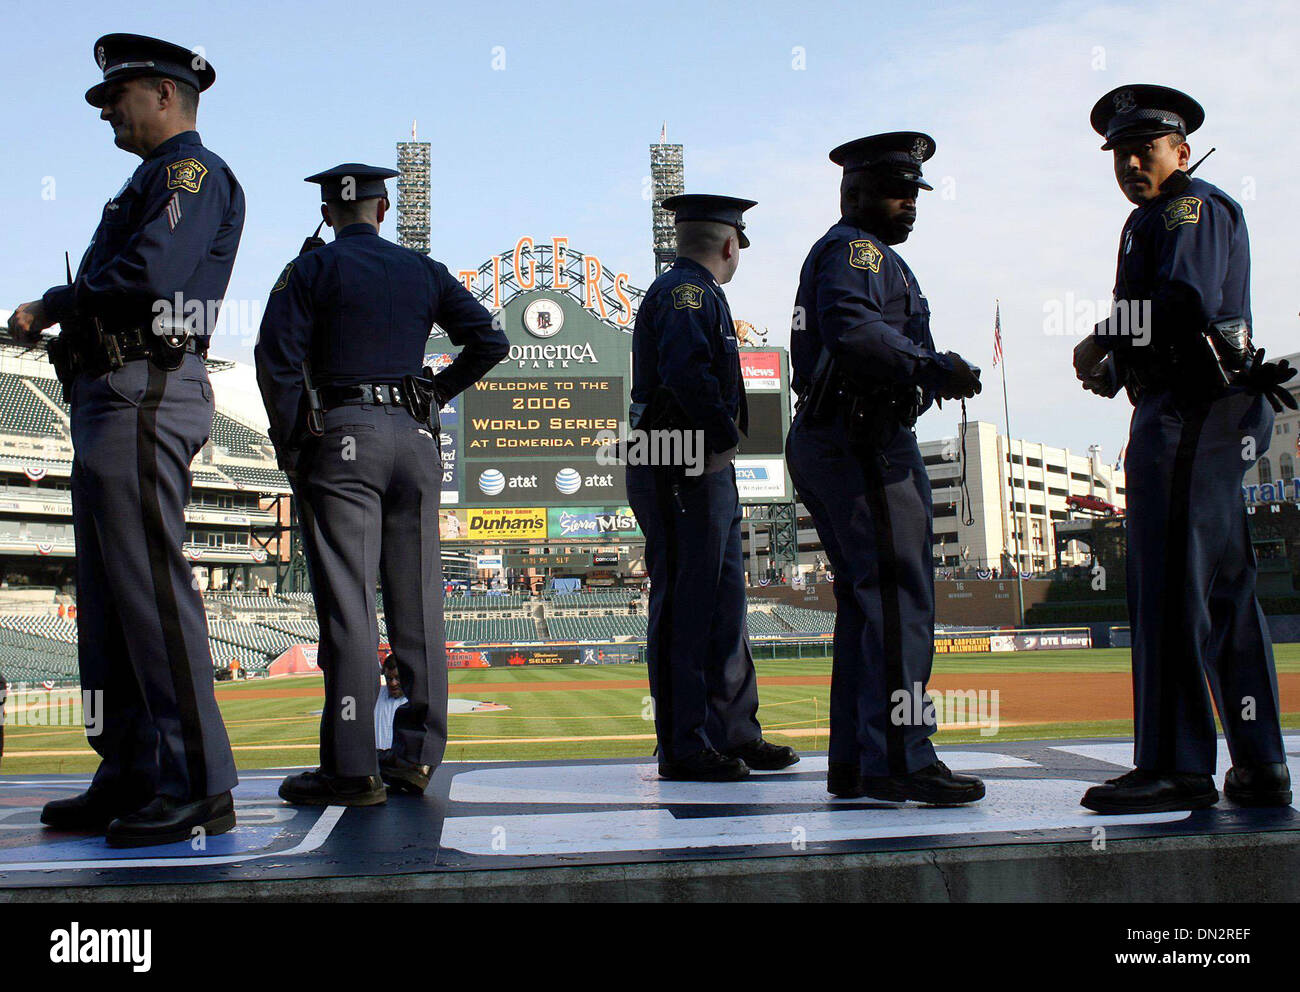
x: 1201, y: 393
x: 865, y: 367
x: 686, y: 378
x: 135, y: 324
x: 361, y: 447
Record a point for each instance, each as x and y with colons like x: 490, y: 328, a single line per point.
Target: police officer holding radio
x: 134, y: 325
x: 355, y: 424
x: 865, y: 367
x: 1201, y: 393
x: 686, y: 378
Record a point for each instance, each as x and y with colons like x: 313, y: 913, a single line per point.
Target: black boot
x: 843, y: 780
x: 706, y: 766
x: 934, y: 785
x: 1146, y: 791
x: 319, y: 788
x: 401, y: 775
x: 94, y: 809
x: 761, y: 756
x: 167, y: 821
x: 1258, y: 785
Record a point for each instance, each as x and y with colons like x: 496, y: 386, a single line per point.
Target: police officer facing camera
x: 142, y: 408
x: 686, y: 378
x: 361, y: 445
x: 865, y: 367
x: 1200, y: 420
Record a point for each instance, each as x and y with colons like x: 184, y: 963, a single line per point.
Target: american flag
x: 997, y: 334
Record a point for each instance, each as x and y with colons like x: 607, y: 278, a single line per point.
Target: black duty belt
x: 114, y: 348
x: 377, y: 394
x: 132, y: 346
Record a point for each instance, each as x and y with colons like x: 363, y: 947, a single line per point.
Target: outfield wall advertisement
x: 538, y: 524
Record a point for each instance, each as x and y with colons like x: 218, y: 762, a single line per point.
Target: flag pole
x: 1011, y: 463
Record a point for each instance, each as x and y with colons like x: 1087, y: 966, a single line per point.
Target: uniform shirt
x: 1188, y: 253
x: 173, y: 229
x: 685, y: 339
x: 361, y: 308
x: 858, y: 299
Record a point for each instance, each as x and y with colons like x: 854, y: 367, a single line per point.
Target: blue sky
x: 556, y: 142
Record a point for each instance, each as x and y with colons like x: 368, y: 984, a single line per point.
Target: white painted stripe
x: 1012, y: 806
x: 315, y: 837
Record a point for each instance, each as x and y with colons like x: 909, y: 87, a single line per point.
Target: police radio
x: 1179, y: 180
x: 313, y: 242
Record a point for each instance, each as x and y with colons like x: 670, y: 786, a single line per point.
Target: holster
x: 422, y: 400
x: 65, y: 361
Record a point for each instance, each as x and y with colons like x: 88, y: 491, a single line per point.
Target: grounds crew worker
x: 1201, y: 394
x: 367, y: 473
x: 132, y: 369
x: 686, y: 377
x: 865, y: 367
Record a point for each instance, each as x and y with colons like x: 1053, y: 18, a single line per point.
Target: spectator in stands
x: 143, y: 408
x: 386, y: 705
x: 367, y: 475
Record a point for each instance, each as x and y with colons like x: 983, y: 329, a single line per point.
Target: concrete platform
x: 612, y: 830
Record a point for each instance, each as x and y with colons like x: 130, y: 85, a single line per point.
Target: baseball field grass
x: 578, y: 711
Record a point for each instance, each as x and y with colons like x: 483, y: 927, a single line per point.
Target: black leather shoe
x: 1145, y: 791
x: 401, y: 775
x: 934, y: 785
x: 93, y: 810
x: 1258, y: 785
x: 761, y: 756
x: 843, y: 780
x: 319, y: 788
x: 167, y: 821
x: 706, y: 766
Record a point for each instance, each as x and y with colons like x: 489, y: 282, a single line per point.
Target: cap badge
x: 101, y: 57
x: 919, y: 148
x: 1125, y: 102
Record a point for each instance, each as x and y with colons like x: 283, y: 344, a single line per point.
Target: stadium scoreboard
x: 520, y: 447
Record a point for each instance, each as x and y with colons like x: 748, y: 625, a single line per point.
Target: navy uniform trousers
x: 368, y: 495
x: 874, y: 518
x: 142, y: 637
x: 701, y: 670
x: 1191, y: 584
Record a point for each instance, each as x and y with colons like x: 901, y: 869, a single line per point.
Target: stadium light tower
x: 413, y: 193
x: 667, y: 178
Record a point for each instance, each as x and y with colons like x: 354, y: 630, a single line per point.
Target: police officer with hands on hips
x: 1201, y: 393
x: 865, y: 367
x: 361, y: 446
x: 132, y: 369
x: 686, y: 377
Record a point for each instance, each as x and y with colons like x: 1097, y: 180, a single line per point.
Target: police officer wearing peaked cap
x: 1200, y: 389
x: 686, y: 377
x: 865, y: 367
x: 367, y: 473
x: 142, y: 407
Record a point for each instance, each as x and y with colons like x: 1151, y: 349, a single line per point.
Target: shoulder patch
x: 1184, y: 210
x: 688, y: 296
x: 865, y: 255
x: 187, y: 174
x: 283, y: 280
